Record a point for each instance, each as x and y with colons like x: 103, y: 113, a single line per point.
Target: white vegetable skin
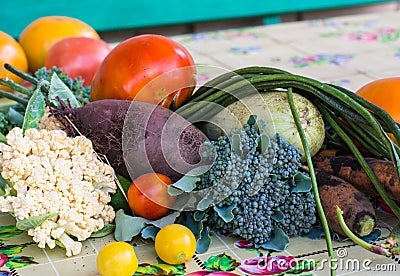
x: 273, y: 108
x: 52, y: 173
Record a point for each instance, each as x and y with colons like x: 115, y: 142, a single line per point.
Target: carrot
x: 348, y: 168
x: 358, y: 212
x: 136, y: 137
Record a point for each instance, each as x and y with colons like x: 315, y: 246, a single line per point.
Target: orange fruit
x: 11, y: 52
x: 38, y: 37
x: 384, y: 93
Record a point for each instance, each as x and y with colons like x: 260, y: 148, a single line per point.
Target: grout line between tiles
x: 51, y: 263
x: 73, y: 258
x: 94, y: 247
x: 228, y: 247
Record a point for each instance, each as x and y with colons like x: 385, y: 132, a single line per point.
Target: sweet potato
x: 136, y: 137
x: 358, y: 212
x: 348, y: 168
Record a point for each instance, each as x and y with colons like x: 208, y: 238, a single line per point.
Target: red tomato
x: 148, y: 196
x: 149, y: 68
x: 78, y: 56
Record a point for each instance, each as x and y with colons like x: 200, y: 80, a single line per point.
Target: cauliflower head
x: 51, y: 173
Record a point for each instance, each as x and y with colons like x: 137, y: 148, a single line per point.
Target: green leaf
x: 204, y: 241
x: 186, y: 218
x: 58, y: 90
x: 34, y: 110
x: 278, y: 241
x: 33, y: 221
x: 14, y: 117
x: 263, y: 142
x: 127, y: 227
x: 118, y: 200
x: 199, y: 215
x: 225, y: 212
x: 4, y: 187
x: 205, y: 202
x: 261, y: 126
x: 150, y: 232
x: 252, y: 120
x: 277, y: 216
x: 236, y: 144
x: 302, y: 183
x: 164, y: 221
x: 187, y: 183
x: 107, y: 229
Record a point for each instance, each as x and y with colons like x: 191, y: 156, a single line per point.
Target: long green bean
x: 313, y: 179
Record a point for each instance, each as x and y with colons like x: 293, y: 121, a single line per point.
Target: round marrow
x: 272, y: 108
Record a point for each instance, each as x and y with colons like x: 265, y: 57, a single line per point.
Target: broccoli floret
x: 5, y: 125
x: 255, y: 178
x: 10, y: 118
x: 81, y: 92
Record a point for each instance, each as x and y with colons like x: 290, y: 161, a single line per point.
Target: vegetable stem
x: 313, y: 180
x: 375, y: 249
x: 353, y: 148
x: 13, y: 97
x: 16, y: 87
x: 21, y: 74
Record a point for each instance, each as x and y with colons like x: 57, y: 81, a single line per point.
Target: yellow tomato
x: 11, y: 52
x: 117, y: 258
x: 38, y: 37
x: 175, y: 244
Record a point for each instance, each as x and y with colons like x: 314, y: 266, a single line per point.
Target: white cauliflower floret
x: 51, y: 173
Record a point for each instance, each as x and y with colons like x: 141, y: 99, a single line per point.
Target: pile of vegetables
x: 257, y: 152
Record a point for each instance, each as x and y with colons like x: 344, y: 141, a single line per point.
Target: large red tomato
x: 149, y: 68
x: 148, y: 196
x: 78, y: 56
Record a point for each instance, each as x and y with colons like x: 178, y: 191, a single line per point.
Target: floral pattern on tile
x: 9, y: 253
x: 320, y: 59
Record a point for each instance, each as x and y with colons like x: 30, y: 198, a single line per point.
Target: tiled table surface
x: 348, y: 51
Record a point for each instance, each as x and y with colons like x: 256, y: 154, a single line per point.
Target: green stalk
x: 22, y: 75
x: 16, y: 87
x: 239, y: 74
x: 393, y: 126
x: 364, y: 139
x: 13, y: 97
x: 361, y: 160
x: 313, y: 180
x: 373, y: 248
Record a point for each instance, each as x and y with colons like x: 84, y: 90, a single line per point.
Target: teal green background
x: 108, y: 15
